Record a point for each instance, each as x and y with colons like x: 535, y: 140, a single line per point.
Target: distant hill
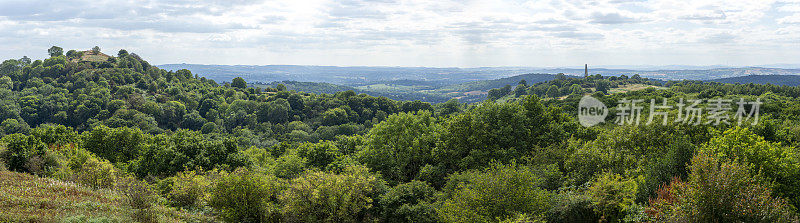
x: 350, y: 76
x: 328, y: 88
x: 498, y: 83
x: 477, y: 90
x: 788, y: 80
x: 355, y: 76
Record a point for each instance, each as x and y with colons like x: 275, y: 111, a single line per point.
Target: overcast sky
x: 438, y: 33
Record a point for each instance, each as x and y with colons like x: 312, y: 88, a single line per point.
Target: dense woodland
x: 175, y: 147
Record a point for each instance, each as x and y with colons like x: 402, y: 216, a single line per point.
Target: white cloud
x: 408, y: 32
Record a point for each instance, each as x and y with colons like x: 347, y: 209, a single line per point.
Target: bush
x: 572, y: 206
x: 26, y: 154
x: 246, y: 196
x: 498, y: 192
x: 96, y: 173
x: 612, y: 195
x: 409, y: 202
x: 289, y: 165
x: 189, y: 189
x: 776, y: 163
x: 138, y: 197
x: 719, y: 191
x: 323, y: 197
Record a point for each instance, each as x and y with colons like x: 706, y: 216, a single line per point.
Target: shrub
x: 523, y: 218
x: 189, y: 189
x: 289, y: 165
x: 20, y: 149
x: 572, y: 206
x: 246, y: 196
x: 138, y: 197
x: 776, y: 163
x: 96, y: 173
x: 612, y: 195
x: 497, y: 192
x: 323, y: 197
x: 719, y: 191
x: 409, y: 202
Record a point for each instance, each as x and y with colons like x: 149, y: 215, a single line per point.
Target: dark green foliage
x: 239, y: 82
x: 55, y: 51
x: 351, y: 157
x: 319, y: 154
x: 497, y: 192
x: 501, y: 132
x: 116, y: 145
x: 409, y: 202
x: 400, y: 146
x: 26, y: 154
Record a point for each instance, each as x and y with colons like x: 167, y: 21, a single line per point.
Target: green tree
x: 612, y: 196
x: 239, y: 82
x: 498, y: 192
x: 96, y: 49
x: 414, y: 201
x: 719, y: 191
x: 122, y: 53
x: 323, y: 197
x: 55, y: 51
x: 246, y: 196
x: 520, y: 90
x: 25, y: 154
x: 776, y: 163
x: 400, y: 146
x: 115, y: 144
x: 552, y: 91
x: 576, y: 89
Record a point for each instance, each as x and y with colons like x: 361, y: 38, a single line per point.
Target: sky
x: 440, y: 33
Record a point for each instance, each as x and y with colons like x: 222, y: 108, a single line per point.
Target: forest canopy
x: 174, y: 146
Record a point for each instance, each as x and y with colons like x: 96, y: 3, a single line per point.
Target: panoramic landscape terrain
x: 394, y: 111
x: 90, y: 137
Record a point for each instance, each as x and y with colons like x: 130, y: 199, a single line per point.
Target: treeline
x: 126, y: 91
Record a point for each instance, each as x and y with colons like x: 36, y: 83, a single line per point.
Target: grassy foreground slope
x: 25, y: 197
x: 28, y: 198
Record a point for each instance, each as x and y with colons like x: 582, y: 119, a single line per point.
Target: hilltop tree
x: 520, y: 90
x: 122, y: 53
x: 55, y: 51
x: 602, y: 86
x: 96, y: 49
x: 239, y: 82
x: 552, y: 91
x: 576, y: 89
x: 25, y: 60
x: 72, y: 54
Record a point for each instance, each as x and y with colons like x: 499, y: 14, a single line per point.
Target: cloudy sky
x: 439, y: 33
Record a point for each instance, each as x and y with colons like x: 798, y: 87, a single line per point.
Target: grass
x: 28, y: 198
